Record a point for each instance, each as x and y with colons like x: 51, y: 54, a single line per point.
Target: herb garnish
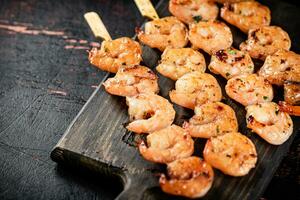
x: 197, y: 18
x: 232, y: 52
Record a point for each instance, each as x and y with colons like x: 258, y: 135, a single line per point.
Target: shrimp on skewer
x: 149, y: 112
x: 230, y: 63
x: 281, y: 66
x: 246, y: 15
x: 211, y: 36
x: 189, y: 11
x: 290, y: 109
x: 189, y: 177
x: 163, y: 33
x: 179, y: 61
x: 232, y: 153
x: 195, y: 88
x: 265, y: 41
x: 212, y: 119
x: 249, y: 89
x: 115, y: 53
x: 230, y: 1
x: 269, y: 122
x: 167, y: 145
x: 292, y: 92
x: 130, y: 81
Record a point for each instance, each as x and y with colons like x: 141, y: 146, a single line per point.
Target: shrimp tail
x: 290, y: 109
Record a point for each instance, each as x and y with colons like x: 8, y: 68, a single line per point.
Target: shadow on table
x: 101, y: 185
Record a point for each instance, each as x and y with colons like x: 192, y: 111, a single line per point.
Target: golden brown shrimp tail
x: 290, y: 109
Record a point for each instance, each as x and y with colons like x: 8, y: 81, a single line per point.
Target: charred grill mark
x: 253, y: 155
x: 126, y: 69
x: 253, y: 35
x: 220, y: 108
x: 231, y: 8
x: 148, y: 114
x: 237, y: 59
x: 250, y: 119
x: 221, y: 55
x: 205, y: 174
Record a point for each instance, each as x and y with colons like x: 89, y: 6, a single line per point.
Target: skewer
x: 128, y: 51
x: 146, y: 8
x: 97, y: 26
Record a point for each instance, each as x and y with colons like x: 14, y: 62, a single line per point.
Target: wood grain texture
x: 33, y: 118
x: 98, y: 138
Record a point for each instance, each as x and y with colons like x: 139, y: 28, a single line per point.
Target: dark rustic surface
x: 33, y: 116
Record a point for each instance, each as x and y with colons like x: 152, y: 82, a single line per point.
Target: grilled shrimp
x: 269, y: 122
x: 177, y: 62
x: 290, y: 109
x: 195, y: 88
x: 189, y: 177
x: 167, y: 145
x: 281, y: 66
x: 212, y: 119
x: 230, y: 1
x: 189, y: 11
x: 265, y: 41
x: 246, y: 15
x: 130, y: 81
x: 249, y: 89
x: 211, y: 36
x: 231, y: 62
x: 163, y: 33
x: 149, y: 112
x: 292, y: 92
x: 232, y: 153
x: 115, y: 53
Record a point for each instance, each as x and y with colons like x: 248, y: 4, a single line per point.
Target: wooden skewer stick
x: 146, y: 8
x: 97, y: 25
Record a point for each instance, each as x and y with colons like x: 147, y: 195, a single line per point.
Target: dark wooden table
x: 45, y: 79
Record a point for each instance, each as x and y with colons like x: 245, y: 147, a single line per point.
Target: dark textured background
x: 33, y: 116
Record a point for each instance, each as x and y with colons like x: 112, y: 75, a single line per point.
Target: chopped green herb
x: 105, y: 49
x: 232, y: 52
x: 265, y: 97
x: 227, y: 74
x: 157, y: 26
x: 250, y: 67
x: 218, y: 129
x: 197, y: 18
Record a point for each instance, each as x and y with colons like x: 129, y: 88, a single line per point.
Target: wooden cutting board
x: 97, y: 139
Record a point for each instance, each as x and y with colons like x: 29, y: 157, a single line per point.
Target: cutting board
x: 97, y: 139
